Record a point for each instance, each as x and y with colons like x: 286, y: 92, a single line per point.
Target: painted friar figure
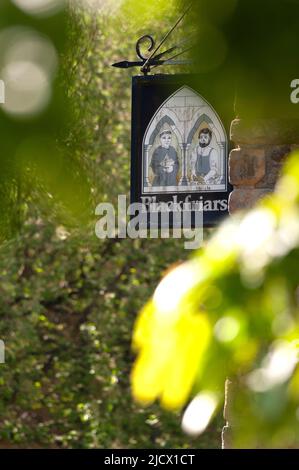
x: 165, y: 162
x: 204, y: 160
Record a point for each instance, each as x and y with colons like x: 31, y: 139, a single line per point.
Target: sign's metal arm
x: 126, y: 64
x: 154, y: 59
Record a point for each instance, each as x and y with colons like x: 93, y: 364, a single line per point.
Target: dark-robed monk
x: 165, y: 162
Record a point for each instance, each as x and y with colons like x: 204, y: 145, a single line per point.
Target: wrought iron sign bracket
x: 154, y: 59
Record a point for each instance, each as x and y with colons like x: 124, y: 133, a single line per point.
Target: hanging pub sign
x: 179, y: 149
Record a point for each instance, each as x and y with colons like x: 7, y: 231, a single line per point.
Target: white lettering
x: 2, y: 352
x: 138, y: 221
x: 2, y: 92
x: 105, y: 227
x: 295, y: 93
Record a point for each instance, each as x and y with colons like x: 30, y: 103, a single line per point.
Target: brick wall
x: 261, y: 149
x: 255, y: 164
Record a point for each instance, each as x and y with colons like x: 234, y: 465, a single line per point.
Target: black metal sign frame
x: 157, y: 109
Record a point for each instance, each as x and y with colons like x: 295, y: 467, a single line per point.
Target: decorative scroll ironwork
x: 154, y: 59
x: 141, y: 40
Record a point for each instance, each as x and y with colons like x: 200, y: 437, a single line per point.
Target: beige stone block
x: 247, y: 166
x: 276, y: 155
x: 245, y: 198
x: 265, y: 131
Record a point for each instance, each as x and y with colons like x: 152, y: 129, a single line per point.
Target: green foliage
x: 231, y: 311
x: 67, y: 313
x: 68, y: 300
x: 246, y: 48
x: 37, y: 164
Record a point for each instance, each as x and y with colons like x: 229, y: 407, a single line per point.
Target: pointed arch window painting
x: 184, y: 148
x: 180, y: 148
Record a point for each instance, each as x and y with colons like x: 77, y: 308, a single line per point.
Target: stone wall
x: 255, y: 164
x: 261, y: 149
